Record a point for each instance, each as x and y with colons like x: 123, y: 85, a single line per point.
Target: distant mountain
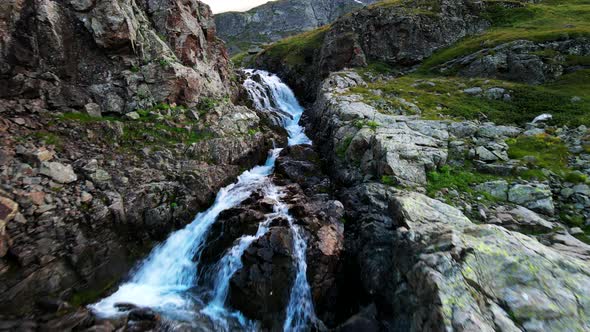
x: 279, y: 19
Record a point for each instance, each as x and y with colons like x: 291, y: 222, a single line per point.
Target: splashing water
x: 163, y: 280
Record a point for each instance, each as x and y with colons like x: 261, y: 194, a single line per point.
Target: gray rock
x: 535, y: 197
x: 495, y: 93
x: 484, y: 154
x: 476, y: 91
x: 497, y: 189
x: 132, y: 116
x: 576, y: 231
x: 534, y: 132
x: 93, y: 110
x: 492, y: 131
x: 527, y: 219
x: 58, y: 172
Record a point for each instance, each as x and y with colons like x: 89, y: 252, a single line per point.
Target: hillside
x: 436, y: 106
x: 279, y: 19
x: 412, y: 165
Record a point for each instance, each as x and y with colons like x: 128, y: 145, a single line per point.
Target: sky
x: 220, y: 6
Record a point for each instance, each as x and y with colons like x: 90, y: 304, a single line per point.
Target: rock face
x: 84, y: 189
x: 279, y: 19
x: 387, y: 33
x: 261, y: 289
x: 424, y: 264
x: 521, y: 60
x: 120, y: 55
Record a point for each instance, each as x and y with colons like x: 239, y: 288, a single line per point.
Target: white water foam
x: 163, y: 280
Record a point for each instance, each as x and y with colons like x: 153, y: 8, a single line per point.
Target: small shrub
x: 388, y: 180
x: 206, y: 105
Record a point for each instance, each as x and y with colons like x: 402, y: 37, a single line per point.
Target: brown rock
x: 37, y: 197
x: 8, y: 210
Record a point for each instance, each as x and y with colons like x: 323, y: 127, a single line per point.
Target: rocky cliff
x: 279, y: 19
x: 117, y: 126
x: 459, y: 154
x: 399, y: 33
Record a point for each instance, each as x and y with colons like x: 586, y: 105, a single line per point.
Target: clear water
x: 164, y: 280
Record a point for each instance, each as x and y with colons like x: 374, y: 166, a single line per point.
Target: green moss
x: 343, y: 147
x: 48, y: 138
x: 388, y: 180
x: 461, y: 179
x: 240, y: 59
x: 548, y: 20
x: 82, y: 117
x: 572, y: 220
x: 164, y: 63
x: 541, y: 151
x: 206, y: 105
x: 92, y: 295
x: 299, y: 49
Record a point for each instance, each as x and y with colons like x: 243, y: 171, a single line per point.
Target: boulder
x: 58, y: 172
x: 535, y: 197
x: 259, y: 290
x: 8, y: 211
x: 496, y: 189
x: 93, y: 110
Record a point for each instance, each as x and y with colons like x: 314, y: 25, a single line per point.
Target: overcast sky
x: 219, y: 6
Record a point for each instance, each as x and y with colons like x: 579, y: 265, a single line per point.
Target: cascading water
x: 164, y: 280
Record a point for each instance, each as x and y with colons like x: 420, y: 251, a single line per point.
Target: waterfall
x: 163, y: 281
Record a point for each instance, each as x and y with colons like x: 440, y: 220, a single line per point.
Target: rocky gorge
x: 446, y: 188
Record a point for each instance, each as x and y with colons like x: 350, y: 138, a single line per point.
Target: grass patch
x: 388, y: 180
x: 343, y: 147
x: 546, y: 21
x: 441, y: 96
x: 461, y: 179
x: 48, y: 138
x: 299, y: 49
x: 549, y: 151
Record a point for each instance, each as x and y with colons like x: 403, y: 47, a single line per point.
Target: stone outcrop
x: 261, y: 288
x: 424, y: 264
x: 400, y: 35
x: 85, y: 190
x: 121, y: 55
x: 522, y: 61
x: 276, y: 20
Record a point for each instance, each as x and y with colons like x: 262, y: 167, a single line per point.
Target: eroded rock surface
x: 117, y: 127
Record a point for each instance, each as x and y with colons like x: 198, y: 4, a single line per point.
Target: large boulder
x: 448, y: 273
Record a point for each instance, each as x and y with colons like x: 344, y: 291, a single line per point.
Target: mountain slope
x: 279, y: 19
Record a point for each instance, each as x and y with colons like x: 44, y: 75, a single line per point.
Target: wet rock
x: 259, y: 289
x: 59, y: 172
x: 365, y: 320
x: 78, y: 320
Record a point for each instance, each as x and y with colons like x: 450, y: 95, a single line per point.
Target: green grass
x: 238, y: 59
x: 343, y: 147
x: 447, y: 99
x: 48, y: 138
x: 548, y: 20
x: 388, y: 180
x: 461, y: 179
x: 299, y: 49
